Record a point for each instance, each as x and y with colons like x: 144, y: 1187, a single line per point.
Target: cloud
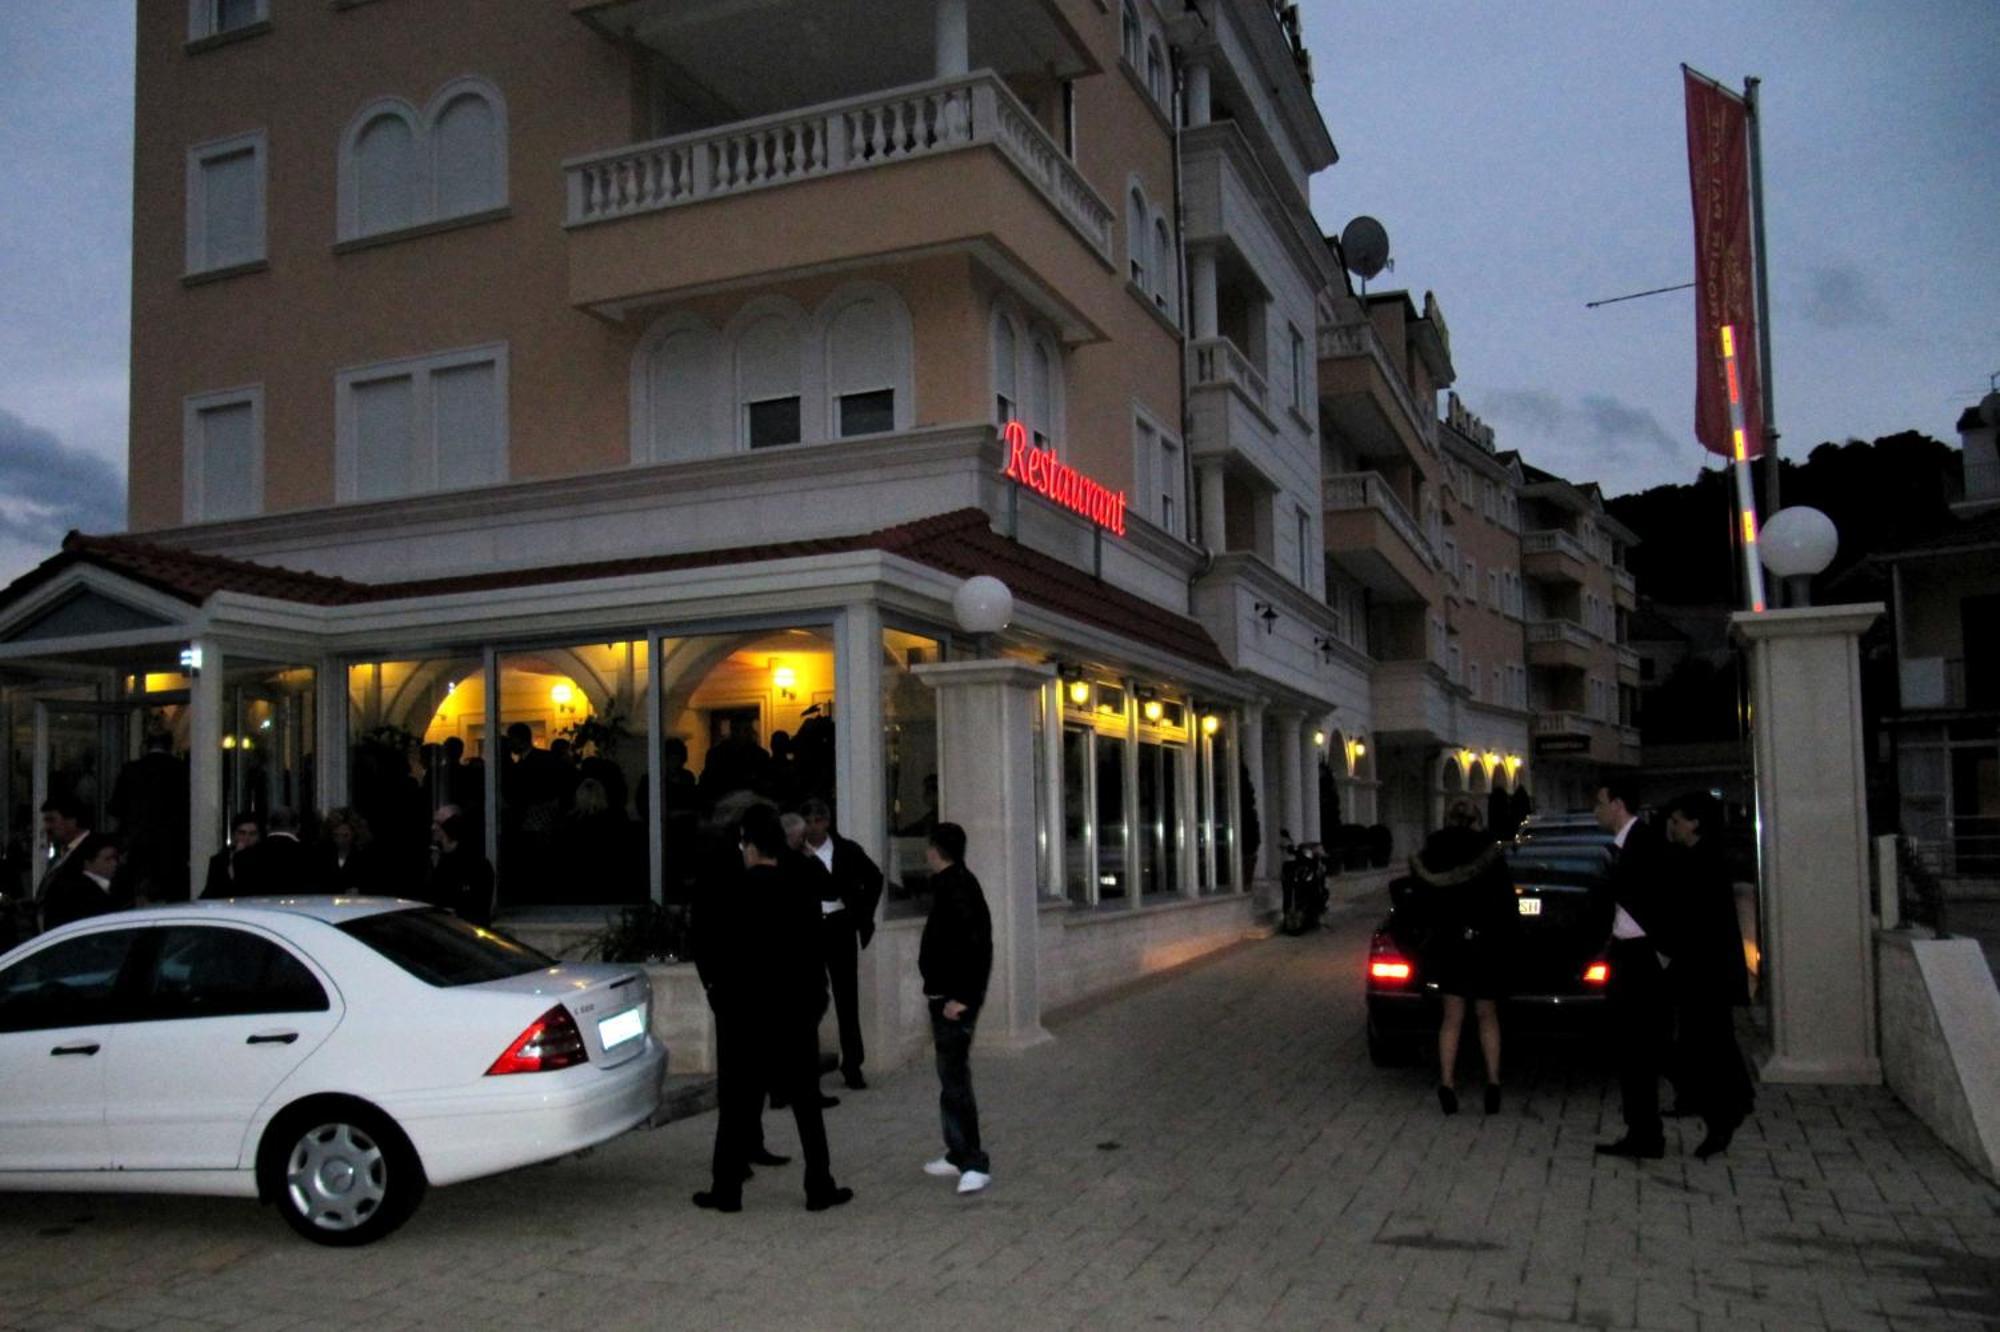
x: 1596, y: 437
x: 1841, y: 297
x: 47, y: 487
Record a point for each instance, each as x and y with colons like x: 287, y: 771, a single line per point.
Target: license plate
x: 622, y: 1027
x: 1530, y: 906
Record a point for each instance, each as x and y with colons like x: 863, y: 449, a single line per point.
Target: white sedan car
x: 332, y: 1055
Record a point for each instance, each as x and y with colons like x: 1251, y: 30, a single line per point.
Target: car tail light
x: 1597, y: 973
x: 1386, y: 966
x: 551, y: 1041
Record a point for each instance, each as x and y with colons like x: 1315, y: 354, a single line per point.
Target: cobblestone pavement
x: 1209, y: 1149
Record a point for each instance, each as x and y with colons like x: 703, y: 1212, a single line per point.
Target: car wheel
x: 341, y: 1172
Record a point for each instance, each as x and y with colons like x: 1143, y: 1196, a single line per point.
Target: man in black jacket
x: 1706, y: 975
x: 1640, y: 1014
x: 955, y: 959
x: 849, y: 887
x: 462, y: 879
x: 757, y: 951
x: 277, y: 864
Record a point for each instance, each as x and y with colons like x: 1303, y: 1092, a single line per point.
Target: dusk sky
x: 1525, y: 158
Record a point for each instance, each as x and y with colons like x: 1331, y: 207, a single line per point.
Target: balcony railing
x: 880, y: 129
x: 1560, y: 723
x: 1371, y: 490
x: 1554, y: 541
x: 1214, y: 361
x: 1628, y: 737
x: 1558, y: 631
x: 1348, y: 340
x: 1622, y: 580
x: 1628, y: 658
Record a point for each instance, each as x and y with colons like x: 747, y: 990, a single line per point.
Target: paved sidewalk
x: 1209, y: 1150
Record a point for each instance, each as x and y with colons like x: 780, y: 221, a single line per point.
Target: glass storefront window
x: 416, y: 741
x: 910, y: 775
x: 270, y: 724
x: 1079, y: 874
x: 573, y: 744
x: 1112, y: 867
x: 1160, y: 773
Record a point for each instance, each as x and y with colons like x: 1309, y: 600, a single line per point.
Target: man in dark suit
x: 65, y: 827
x: 225, y: 868
x: 1707, y: 978
x: 87, y: 892
x: 849, y: 887
x: 278, y: 864
x: 758, y: 953
x: 1640, y: 1013
x: 462, y: 880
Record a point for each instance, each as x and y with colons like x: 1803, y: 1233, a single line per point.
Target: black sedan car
x: 1557, y: 972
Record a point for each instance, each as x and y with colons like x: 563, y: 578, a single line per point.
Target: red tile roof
x: 962, y: 542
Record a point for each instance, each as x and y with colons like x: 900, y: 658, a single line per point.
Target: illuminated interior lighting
x: 561, y: 695
x: 1079, y: 692
x: 1359, y: 749
x: 1211, y: 724
x: 784, y: 677
x: 1319, y: 739
x: 229, y: 742
x: 1749, y: 528
x: 1155, y: 709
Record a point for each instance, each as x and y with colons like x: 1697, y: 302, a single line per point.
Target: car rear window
x: 440, y: 949
x: 1570, y: 865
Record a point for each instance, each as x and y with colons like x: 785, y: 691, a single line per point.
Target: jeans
x: 957, y: 1109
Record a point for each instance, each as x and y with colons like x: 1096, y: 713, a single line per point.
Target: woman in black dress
x: 1471, y: 908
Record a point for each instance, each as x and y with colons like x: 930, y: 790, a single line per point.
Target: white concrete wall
x: 1940, y: 1034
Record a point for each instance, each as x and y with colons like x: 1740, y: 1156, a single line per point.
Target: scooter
x: 1304, y: 880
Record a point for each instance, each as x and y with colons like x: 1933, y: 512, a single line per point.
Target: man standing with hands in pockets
x: 955, y: 959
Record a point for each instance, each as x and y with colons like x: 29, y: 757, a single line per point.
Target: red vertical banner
x: 1725, y: 287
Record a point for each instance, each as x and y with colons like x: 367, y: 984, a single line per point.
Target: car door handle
x: 80, y: 1048
x: 273, y: 1038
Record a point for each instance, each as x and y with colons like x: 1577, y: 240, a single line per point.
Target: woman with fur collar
x: 1470, y: 896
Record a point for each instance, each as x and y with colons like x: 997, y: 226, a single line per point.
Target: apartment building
x: 646, y: 378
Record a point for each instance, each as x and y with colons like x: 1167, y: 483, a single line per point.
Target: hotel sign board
x: 1042, y: 472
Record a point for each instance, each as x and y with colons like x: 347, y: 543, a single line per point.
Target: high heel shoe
x: 1492, y: 1098
x: 1447, y: 1100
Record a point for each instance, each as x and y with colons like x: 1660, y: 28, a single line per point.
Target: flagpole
x: 1746, y: 497
x: 1770, y: 440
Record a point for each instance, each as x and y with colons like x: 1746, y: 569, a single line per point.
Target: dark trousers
x: 1714, y: 1081
x: 1640, y: 1017
x: 957, y: 1109
x: 754, y: 1053
x: 843, y: 962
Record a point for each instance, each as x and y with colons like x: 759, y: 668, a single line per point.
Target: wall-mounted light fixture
x: 1211, y: 724
x: 1325, y: 646
x: 1319, y: 739
x: 1154, y: 709
x: 563, y: 695
x: 1267, y: 612
x: 1079, y: 692
x: 191, y: 660
x: 785, y: 680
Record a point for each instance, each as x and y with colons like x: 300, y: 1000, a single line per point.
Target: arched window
x: 400, y: 168
x: 1041, y: 390
x: 674, y: 381
x: 466, y: 153
x: 1006, y: 370
x: 1164, y: 268
x: 866, y: 333
x: 1130, y: 40
x: 769, y: 363
x: 1156, y: 71
x: 1136, y: 231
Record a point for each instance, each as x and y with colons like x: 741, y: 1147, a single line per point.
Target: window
x: 1493, y: 595
x: 440, y: 949
x: 675, y: 385
x: 1006, y: 370
x: 1158, y: 468
x: 1298, y: 371
x: 1131, y: 42
x: 212, y: 18
x: 225, y: 203
x: 867, y: 351
x: 1156, y: 71
x: 401, y: 167
x: 68, y: 984
x: 769, y: 353
x: 1041, y: 391
x: 1163, y: 267
x: 1472, y: 677
x: 1027, y: 377
x: 910, y: 767
x: 425, y: 424
x: 1161, y: 766
x: 1303, y: 525
x: 205, y: 971
x: 1136, y: 214
x: 222, y: 473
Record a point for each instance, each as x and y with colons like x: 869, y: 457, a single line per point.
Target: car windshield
x: 440, y: 949
x: 1569, y: 865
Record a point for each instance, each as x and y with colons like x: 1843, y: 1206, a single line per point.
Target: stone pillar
x: 1292, y: 741
x: 1201, y: 292
x: 1819, y: 956
x: 1196, y: 92
x: 1267, y: 812
x: 986, y: 784
x: 1214, y: 507
x: 858, y: 788
x: 952, y: 56
x: 206, y: 725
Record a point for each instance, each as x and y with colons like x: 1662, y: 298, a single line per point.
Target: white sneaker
x: 942, y: 1168
x: 972, y: 1181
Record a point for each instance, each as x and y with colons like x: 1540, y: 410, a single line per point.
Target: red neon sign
x: 1040, y: 471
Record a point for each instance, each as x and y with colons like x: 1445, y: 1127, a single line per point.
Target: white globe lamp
x: 1795, y: 544
x: 983, y: 605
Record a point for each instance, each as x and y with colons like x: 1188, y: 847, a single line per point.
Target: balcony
x: 1365, y: 397
x: 876, y: 176
x: 1554, y: 556
x: 1561, y: 644
x: 1217, y: 363
x: 1371, y: 535
x: 1628, y: 664
x: 1624, y: 589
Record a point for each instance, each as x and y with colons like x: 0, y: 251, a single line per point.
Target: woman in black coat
x: 1470, y: 896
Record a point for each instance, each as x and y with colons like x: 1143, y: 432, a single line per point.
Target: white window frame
x: 423, y: 131
x: 1139, y: 236
x: 670, y: 325
x: 347, y: 446
x: 192, y: 461
x: 1151, y: 439
x: 198, y: 157
x: 901, y: 359
x: 1029, y: 335
x: 202, y: 16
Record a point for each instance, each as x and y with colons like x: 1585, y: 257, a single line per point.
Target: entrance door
x: 79, y: 749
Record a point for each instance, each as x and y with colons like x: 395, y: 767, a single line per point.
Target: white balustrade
x: 1220, y: 361
x: 1371, y: 490
x: 853, y: 134
x: 1340, y: 341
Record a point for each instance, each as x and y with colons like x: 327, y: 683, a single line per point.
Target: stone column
x: 206, y: 725
x: 1214, y: 507
x: 1311, y: 752
x: 1201, y: 292
x: 1291, y: 743
x: 1196, y: 91
x: 860, y: 802
x: 986, y: 784
x: 952, y: 56
x: 1819, y: 957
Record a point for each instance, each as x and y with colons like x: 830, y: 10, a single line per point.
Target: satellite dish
x: 1365, y: 247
